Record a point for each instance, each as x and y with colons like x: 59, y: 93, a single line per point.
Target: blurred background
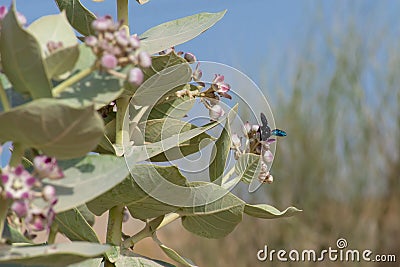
x: 331, y: 73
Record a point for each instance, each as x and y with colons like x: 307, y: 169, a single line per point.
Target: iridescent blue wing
x: 277, y: 132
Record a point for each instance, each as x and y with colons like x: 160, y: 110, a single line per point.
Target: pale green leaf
x: 248, y: 167
x: 22, y: 61
x: 178, y: 31
x: 51, y: 255
x: 54, y: 127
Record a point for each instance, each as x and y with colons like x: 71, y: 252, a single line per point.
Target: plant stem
x: 114, y: 226
x: 4, y: 205
x: 147, y: 232
x: 3, y: 98
x: 73, y: 79
x: 17, y: 154
x: 122, y: 106
x: 123, y: 12
x: 53, y: 233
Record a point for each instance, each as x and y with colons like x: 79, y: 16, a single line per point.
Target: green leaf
x: 54, y: 127
x: 22, y: 61
x: 98, y: 89
x: 86, y: 178
x: 86, y: 58
x: 139, y: 261
x: 220, y: 153
x: 61, y: 61
x: 177, y: 31
x: 175, y: 256
x: 156, y: 130
x: 140, y: 153
x: 13, y: 235
x: 87, y: 214
x: 88, y: 263
x: 56, y: 28
x: 216, y: 219
x: 172, y: 108
x: 265, y: 211
x: 248, y: 167
x: 78, y: 15
x: 51, y: 255
x: 73, y: 225
x: 157, y: 87
x: 129, y: 193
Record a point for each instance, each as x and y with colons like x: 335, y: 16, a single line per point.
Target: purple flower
x: 102, y: 24
x: 36, y: 219
x: 17, y: 182
x: 3, y: 12
x: 91, y: 41
x: 109, y: 61
x: 47, y: 167
x: 20, y: 208
x: 135, y: 76
x: 216, y: 112
x: 220, y: 87
x: 144, y: 59
x: 191, y: 58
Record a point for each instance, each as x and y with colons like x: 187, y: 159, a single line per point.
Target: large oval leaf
x: 51, y: 255
x: 178, y: 31
x: 21, y: 57
x: 86, y: 178
x: 140, y: 204
x: 216, y: 219
x: 98, y: 89
x: 54, y: 127
x: 78, y: 15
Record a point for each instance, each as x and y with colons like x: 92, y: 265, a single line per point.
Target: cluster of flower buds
x: 22, y: 188
x: 255, y: 145
x: 211, y: 96
x: 114, y: 48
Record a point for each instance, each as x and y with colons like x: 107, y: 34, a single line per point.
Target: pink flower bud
x: 121, y: 38
x: 268, y: 156
x: 236, y: 141
x: 144, y: 59
x: 49, y: 193
x: 216, y: 112
x: 20, y: 208
x: 91, y: 41
x: 102, y: 24
x: 109, y: 61
x: 190, y: 57
x: 134, y: 41
x: 3, y: 12
x: 135, y: 76
x: 21, y: 19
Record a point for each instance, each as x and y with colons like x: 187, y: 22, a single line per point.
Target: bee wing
x: 264, y: 120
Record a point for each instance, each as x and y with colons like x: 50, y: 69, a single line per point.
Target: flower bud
x: 246, y: 128
x: 102, y: 24
x: 3, y: 12
x: 20, y: 208
x: 134, y: 41
x: 49, y: 193
x: 21, y: 19
x: 216, y: 112
x: 135, y: 76
x: 91, y: 41
x: 236, y: 141
x: 109, y: 61
x: 121, y: 38
x: 144, y: 59
x: 190, y: 58
x: 267, y: 156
